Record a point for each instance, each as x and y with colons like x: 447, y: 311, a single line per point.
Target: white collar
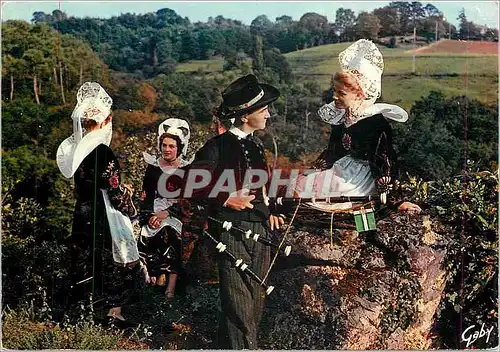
x: 237, y: 132
x: 155, y: 161
x: 335, y: 116
x: 70, y: 154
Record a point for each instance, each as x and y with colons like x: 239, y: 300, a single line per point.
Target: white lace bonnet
x: 176, y: 127
x: 92, y: 103
x: 365, y: 62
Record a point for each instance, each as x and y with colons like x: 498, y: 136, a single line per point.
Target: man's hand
x: 240, y: 202
x: 275, y: 222
x: 157, y: 218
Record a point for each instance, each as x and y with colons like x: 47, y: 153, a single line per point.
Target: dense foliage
x: 442, y: 133
x: 43, y: 67
x: 152, y: 43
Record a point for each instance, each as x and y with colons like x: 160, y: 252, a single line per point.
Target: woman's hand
x: 409, y: 208
x: 157, y: 218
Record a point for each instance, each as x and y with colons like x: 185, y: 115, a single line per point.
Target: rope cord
x: 282, y: 242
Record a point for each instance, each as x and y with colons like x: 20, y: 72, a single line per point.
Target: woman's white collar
x: 329, y: 113
x: 70, y: 153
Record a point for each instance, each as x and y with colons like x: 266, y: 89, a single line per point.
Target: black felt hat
x: 245, y: 95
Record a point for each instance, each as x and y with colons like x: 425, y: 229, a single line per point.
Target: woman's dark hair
x: 177, y: 139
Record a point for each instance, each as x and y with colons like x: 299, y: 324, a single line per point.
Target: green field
x: 473, y: 75
x: 454, y: 74
x: 212, y: 65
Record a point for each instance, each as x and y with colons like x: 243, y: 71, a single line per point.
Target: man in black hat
x: 230, y: 154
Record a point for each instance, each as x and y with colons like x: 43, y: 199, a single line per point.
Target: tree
x: 389, y: 21
x: 277, y: 63
x: 239, y: 61
x: 367, y: 26
x: 463, y: 24
x: 260, y: 25
x: 431, y: 11
x: 259, y: 56
x: 315, y: 27
x: 344, y: 21
x: 38, y: 16
x: 468, y: 30
x: 284, y: 20
x: 491, y: 34
x: 417, y: 12
x: 58, y: 15
x: 431, y: 146
x: 429, y: 26
x: 38, y: 54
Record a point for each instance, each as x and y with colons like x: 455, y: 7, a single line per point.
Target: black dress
x: 93, y: 268
x: 370, y: 140
x: 167, y: 251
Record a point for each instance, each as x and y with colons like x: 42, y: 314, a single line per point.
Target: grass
x: 405, y: 90
x: 454, y: 74
x: 212, y: 65
x: 468, y: 74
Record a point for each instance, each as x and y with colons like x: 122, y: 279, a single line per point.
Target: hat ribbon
x: 246, y: 105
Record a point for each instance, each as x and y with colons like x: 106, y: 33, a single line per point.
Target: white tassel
x: 239, y: 262
x: 383, y: 198
x: 221, y: 247
x: 279, y: 200
x: 247, y: 234
x: 256, y: 237
x: 288, y: 249
x: 227, y: 225
x: 269, y: 290
x: 243, y: 267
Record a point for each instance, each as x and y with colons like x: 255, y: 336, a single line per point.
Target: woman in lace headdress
x: 164, y: 245
x: 104, y: 254
x: 360, y: 159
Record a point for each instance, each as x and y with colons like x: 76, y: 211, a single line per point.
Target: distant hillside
x: 453, y: 72
x: 460, y: 47
x: 441, y: 66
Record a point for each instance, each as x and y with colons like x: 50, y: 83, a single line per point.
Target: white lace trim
x: 335, y: 116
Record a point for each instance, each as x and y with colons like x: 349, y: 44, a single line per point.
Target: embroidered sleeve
x: 120, y: 195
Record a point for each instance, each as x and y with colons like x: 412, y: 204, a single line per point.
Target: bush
x: 393, y: 43
x: 469, y: 204
x: 22, y: 330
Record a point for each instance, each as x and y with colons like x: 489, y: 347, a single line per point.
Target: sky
x: 480, y: 12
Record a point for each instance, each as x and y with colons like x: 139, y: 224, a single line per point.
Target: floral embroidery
x: 346, y: 141
x: 111, y: 174
x: 120, y: 195
x: 113, y: 181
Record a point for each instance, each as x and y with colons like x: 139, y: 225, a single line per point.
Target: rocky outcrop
x: 349, y: 290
